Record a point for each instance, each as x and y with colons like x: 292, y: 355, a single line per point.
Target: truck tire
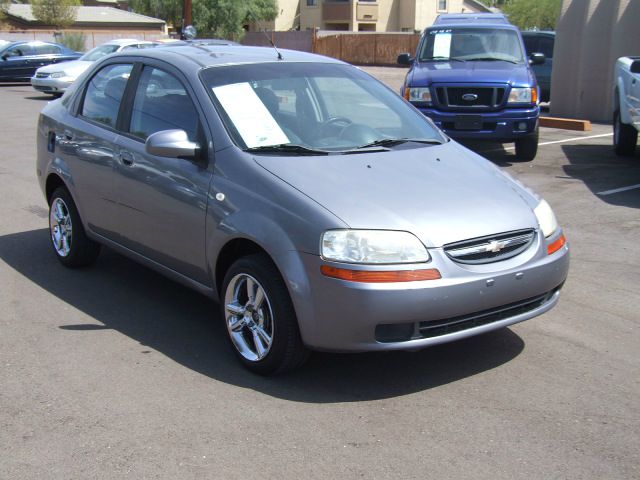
x: 625, y: 136
x: 527, y: 148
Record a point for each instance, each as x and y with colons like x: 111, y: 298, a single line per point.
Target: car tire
x: 527, y: 148
x: 69, y: 241
x: 625, y: 136
x: 260, y: 319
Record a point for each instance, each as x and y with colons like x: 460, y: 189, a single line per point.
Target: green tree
x: 58, y: 13
x: 4, y: 6
x: 225, y: 18
x: 528, y: 14
x: 168, y: 10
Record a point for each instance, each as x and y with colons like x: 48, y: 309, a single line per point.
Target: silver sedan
x: 317, y: 207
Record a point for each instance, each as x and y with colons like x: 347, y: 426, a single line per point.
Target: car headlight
x: 372, y: 246
x: 523, y: 95
x: 58, y: 75
x: 421, y: 94
x: 546, y: 218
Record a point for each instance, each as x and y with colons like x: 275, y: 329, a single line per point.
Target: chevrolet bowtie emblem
x: 495, y: 246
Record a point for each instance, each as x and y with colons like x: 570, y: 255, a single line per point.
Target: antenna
x: 250, y: 13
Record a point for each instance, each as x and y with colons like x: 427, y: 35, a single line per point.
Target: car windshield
x: 313, y: 108
x: 99, y: 52
x: 483, y: 44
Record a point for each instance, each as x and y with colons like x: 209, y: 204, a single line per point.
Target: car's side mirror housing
x: 5, y: 56
x: 405, y: 59
x: 537, y: 58
x: 635, y: 67
x: 172, y: 144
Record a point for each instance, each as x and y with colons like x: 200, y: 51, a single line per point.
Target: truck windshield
x: 464, y: 43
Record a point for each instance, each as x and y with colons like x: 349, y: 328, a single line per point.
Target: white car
x: 56, y: 78
x: 626, y: 101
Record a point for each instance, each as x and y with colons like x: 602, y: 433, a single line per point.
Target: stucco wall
x: 590, y: 36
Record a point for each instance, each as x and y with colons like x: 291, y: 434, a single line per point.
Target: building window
x: 442, y: 5
x: 312, y: 3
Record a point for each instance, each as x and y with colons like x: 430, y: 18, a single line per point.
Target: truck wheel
x: 68, y: 238
x: 527, y: 148
x: 260, y: 317
x: 624, y: 136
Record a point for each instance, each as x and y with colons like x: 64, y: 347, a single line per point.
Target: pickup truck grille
x: 471, y: 97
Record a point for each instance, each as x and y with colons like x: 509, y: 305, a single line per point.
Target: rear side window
x: 46, y: 49
x: 162, y: 103
x: 530, y: 44
x: 104, y: 94
x: 546, y: 46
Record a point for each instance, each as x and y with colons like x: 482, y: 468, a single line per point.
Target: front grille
x: 470, y: 97
x: 492, y: 248
x: 42, y: 75
x: 386, y: 333
x: 486, y: 126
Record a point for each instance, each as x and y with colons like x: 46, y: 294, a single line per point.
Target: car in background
x: 318, y: 207
x: 541, y: 42
x: 55, y: 79
x: 626, y: 105
x: 19, y: 60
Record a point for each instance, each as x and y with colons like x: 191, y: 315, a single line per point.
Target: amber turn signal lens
x: 406, y: 93
x: 534, y: 95
x: 366, y: 276
x: 557, y: 245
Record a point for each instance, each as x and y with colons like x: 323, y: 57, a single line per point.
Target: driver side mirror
x: 5, y: 56
x: 635, y: 67
x: 405, y: 59
x: 537, y: 59
x: 172, y: 144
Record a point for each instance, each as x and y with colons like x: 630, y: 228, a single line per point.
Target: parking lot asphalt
x: 115, y: 371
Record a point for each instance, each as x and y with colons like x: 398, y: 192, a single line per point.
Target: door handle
x: 126, y: 158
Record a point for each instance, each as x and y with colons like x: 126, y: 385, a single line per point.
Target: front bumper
x: 51, y: 85
x: 505, y: 125
x: 338, y: 315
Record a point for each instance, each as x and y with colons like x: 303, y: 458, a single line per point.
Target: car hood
x: 72, y: 68
x: 442, y: 193
x: 424, y: 74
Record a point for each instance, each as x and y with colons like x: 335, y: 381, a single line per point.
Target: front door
x: 163, y: 201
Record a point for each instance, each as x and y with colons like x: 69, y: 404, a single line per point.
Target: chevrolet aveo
x: 317, y: 207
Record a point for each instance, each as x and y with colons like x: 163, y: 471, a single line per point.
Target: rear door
x: 163, y: 201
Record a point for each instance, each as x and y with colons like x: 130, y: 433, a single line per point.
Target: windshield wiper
x: 490, y: 59
x: 390, y: 142
x: 286, y: 148
x: 442, y: 59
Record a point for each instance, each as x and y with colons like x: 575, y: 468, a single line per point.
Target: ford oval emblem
x: 469, y: 97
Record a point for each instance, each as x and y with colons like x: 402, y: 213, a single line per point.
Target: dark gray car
x: 320, y: 209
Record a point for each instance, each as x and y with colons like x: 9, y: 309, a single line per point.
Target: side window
x: 104, y: 93
x: 46, y: 49
x: 530, y: 44
x: 162, y: 103
x: 19, y: 51
x: 546, y: 47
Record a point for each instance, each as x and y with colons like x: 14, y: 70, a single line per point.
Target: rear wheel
x: 527, y: 147
x: 70, y: 243
x: 260, y: 318
x: 625, y: 136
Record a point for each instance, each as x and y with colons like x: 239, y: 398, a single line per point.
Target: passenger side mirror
x: 5, y: 56
x: 537, y: 59
x: 172, y: 144
x: 405, y: 59
x: 635, y: 66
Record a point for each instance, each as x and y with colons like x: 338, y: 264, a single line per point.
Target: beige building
x: 380, y: 15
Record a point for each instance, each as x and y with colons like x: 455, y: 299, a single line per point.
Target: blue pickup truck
x: 472, y: 77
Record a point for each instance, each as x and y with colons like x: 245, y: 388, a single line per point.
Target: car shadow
x: 122, y: 295
x: 502, y: 154
x: 601, y: 170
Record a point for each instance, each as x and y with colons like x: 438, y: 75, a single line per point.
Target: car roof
x: 533, y: 33
x: 126, y: 41
x: 217, y: 55
x: 472, y: 19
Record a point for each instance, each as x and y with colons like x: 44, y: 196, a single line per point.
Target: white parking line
x: 617, y: 190
x: 567, y: 140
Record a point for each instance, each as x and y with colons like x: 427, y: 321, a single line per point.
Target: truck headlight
x: 546, y: 218
x: 523, y: 95
x: 372, y: 247
x: 418, y: 94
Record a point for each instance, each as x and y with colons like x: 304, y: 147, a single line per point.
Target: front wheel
x: 68, y: 238
x: 527, y: 147
x: 260, y: 318
x: 625, y: 136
